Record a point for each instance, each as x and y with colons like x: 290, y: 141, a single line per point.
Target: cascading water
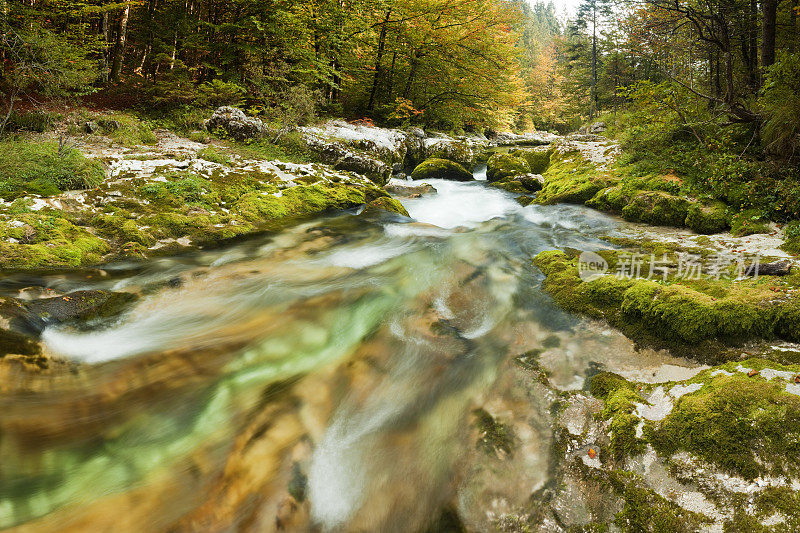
x: 323, y: 377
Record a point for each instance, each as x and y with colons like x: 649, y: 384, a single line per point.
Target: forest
x: 400, y: 265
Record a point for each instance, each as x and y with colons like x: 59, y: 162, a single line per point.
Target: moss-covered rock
x: 502, y: 166
x: 441, y: 169
x: 656, y: 208
x: 458, y: 152
x: 748, y: 426
x: 37, y: 239
x: 538, y: 160
x: 573, y: 180
x: 389, y: 204
x: 689, y: 315
x: 708, y: 218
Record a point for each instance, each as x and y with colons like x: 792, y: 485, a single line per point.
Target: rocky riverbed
x: 267, y: 346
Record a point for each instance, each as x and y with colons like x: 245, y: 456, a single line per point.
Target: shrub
x: 780, y: 102
x: 45, y: 169
x: 38, y: 121
x: 217, y: 93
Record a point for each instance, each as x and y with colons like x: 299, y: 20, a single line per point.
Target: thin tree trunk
x: 376, y: 79
x: 593, y: 108
x: 119, y: 49
x: 795, y: 35
x: 770, y: 8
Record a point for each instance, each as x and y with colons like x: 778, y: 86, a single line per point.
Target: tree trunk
x: 593, y: 108
x: 119, y: 49
x: 770, y: 8
x: 752, y: 67
x: 794, y: 39
x: 377, y: 77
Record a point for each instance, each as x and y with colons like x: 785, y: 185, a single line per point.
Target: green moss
x: 441, y: 169
x: 51, y: 241
x: 519, y: 184
x: 126, y: 129
x: 44, y: 169
x: 124, y: 230
x: 749, y: 222
x: 708, y: 218
x: 392, y: 205
x: 572, y: 179
x: 620, y: 408
x: 538, y: 160
x: 501, y: 166
x: 656, y: 208
x: 682, y: 313
x: 611, y: 199
x: 214, y: 155
x: 605, y: 383
x: 747, y: 426
x: 512, y: 186
x: 645, y: 510
x: 494, y: 436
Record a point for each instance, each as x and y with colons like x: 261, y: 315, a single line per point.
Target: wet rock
x: 441, y: 169
x: 33, y: 316
x: 537, y: 138
x: 403, y: 190
x: 13, y: 341
x: 235, y: 124
x: 376, y: 171
x: 415, y: 150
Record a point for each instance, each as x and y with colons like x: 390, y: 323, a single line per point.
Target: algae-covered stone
x: 79, y: 305
x: 389, y: 204
x: 708, y: 218
x: 502, y: 166
x: 441, y: 169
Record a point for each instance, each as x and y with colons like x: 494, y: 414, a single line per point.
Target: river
x: 322, y: 378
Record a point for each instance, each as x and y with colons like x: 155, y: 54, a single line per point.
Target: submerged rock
x: 403, y: 190
x: 441, y: 169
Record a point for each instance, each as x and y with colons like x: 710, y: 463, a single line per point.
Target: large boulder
x: 539, y: 160
x: 376, y: 171
x: 457, y: 151
x: 442, y: 169
x: 235, y: 124
x: 502, y: 166
x: 415, y: 148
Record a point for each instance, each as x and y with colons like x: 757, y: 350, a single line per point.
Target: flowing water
x: 322, y: 378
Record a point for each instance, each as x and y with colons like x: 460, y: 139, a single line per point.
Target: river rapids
x: 325, y: 378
